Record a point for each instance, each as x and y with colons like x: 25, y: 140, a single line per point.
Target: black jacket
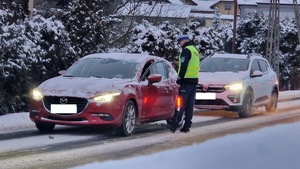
x: 185, y: 58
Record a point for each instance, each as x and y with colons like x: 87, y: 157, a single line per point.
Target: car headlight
x: 37, y: 95
x: 106, y: 98
x: 234, y: 87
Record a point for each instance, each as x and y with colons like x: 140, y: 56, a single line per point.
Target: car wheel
x: 45, y: 127
x: 272, y: 105
x: 246, y: 109
x: 129, y: 119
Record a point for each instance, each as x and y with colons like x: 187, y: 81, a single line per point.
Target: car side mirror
x: 154, y: 78
x: 256, y: 73
x: 62, y: 72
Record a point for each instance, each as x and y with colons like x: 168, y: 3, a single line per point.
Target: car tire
x: 45, y: 127
x: 129, y: 119
x: 246, y: 109
x: 272, y: 105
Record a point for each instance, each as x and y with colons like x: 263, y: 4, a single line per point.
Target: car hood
x: 221, y: 77
x: 81, y: 87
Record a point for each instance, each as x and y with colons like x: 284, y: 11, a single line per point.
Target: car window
x: 156, y: 68
x: 103, y: 68
x: 224, y: 65
x: 263, y: 65
x: 255, y: 66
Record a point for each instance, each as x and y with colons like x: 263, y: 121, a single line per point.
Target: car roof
x: 236, y: 56
x: 135, y: 57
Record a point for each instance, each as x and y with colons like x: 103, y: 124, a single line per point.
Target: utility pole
x: 272, y: 49
x: 295, y: 3
x: 234, y: 27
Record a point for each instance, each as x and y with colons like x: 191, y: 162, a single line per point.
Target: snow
x: 254, y: 2
x: 262, y: 149
x: 258, y: 148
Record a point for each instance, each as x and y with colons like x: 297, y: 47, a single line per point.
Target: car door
x: 156, y: 97
x: 257, y: 82
x: 267, y: 79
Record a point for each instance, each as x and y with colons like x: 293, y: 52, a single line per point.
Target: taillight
x: 178, y: 102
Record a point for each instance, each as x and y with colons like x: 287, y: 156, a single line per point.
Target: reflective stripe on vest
x: 193, y: 65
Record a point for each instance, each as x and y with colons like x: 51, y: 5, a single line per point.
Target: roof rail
x: 253, y: 54
x: 217, y: 52
x: 221, y: 52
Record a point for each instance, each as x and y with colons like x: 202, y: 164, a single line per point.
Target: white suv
x: 238, y: 83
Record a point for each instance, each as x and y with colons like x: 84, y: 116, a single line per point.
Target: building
x: 286, y: 8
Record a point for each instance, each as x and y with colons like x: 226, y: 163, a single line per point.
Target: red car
x: 108, y: 89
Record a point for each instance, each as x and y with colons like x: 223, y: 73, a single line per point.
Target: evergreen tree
x: 207, y: 40
x: 216, y: 23
x: 87, y: 25
x: 289, y: 55
x: 252, y: 34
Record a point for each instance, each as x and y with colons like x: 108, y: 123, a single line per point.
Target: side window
x: 160, y: 68
x: 263, y: 65
x: 155, y: 68
x: 146, y: 71
x: 254, y: 66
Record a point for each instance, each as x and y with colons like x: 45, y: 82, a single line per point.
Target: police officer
x: 188, y: 71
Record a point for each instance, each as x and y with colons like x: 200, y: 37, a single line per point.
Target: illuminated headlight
x: 37, y: 95
x: 106, y: 97
x: 234, y: 87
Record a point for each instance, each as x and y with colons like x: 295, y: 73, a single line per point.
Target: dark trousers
x: 187, y: 92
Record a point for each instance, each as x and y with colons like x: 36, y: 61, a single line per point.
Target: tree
x: 289, y: 55
x: 216, y: 23
x: 87, y: 25
x: 252, y: 34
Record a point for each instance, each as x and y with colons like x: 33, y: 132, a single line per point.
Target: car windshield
x: 224, y: 65
x: 103, y: 68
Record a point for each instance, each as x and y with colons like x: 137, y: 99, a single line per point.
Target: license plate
x: 63, y: 108
x: 206, y: 96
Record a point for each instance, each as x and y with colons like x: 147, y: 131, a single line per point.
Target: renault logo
x: 63, y: 100
x: 205, y: 88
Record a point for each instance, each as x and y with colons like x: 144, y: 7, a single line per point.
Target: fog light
x: 104, y: 116
x: 234, y: 98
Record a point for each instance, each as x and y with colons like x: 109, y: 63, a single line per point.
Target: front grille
x: 210, y: 88
x: 211, y: 102
x: 65, y: 119
x: 80, y: 102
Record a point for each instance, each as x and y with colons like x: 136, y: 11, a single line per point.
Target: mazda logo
x: 205, y: 87
x: 63, y: 100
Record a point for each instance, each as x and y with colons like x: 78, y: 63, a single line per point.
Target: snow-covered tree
x: 289, y: 59
x: 216, y: 23
x: 252, y: 34
x: 87, y: 25
x: 207, y: 40
x: 155, y: 40
x: 30, y: 52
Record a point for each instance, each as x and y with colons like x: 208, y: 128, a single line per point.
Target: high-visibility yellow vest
x: 193, y: 65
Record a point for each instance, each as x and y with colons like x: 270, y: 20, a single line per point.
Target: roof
x: 204, y: 5
x: 236, y: 56
x: 255, y: 2
x: 229, y: 55
x: 211, y: 16
x: 136, y: 57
